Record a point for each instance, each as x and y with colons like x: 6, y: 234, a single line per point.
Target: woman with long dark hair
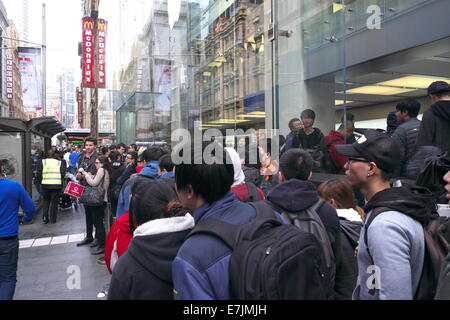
x: 159, y: 225
x: 117, y: 169
x: 95, y: 217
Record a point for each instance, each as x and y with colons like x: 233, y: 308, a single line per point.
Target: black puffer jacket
x: 435, y: 128
x: 406, y: 136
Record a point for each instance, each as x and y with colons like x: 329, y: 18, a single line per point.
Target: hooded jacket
x: 123, y: 204
x: 396, y: 243
x: 338, y: 159
x: 144, y: 272
x: 120, y: 234
x: 435, y: 127
x: 296, y: 195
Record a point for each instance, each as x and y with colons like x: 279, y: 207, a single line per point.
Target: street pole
x: 44, y: 60
x: 94, y: 91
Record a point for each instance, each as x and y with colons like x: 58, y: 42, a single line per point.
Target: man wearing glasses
x: 391, y: 246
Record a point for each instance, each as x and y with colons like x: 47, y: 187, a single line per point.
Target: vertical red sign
x: 101, y: 49
x: 9, y: 76
x: 88, y: 53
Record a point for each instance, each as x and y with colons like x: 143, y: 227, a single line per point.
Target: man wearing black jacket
x: 435, y: 128
x: 406, y: 133
x: 296, y: 193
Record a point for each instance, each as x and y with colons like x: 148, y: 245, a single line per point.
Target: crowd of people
x: 192, y: 230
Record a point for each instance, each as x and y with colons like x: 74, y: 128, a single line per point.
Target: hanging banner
x: 87, y: 58
x: 101, y: 49
x: 9, y: 76
x: 163, y: 84
x: 31, y: 75
x: 80, y: 106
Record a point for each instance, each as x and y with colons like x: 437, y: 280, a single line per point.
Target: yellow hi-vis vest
x: 51, y: 173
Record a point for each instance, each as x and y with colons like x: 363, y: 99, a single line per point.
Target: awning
x: 45, y: 126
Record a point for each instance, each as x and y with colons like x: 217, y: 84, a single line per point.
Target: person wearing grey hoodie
x: 391, y: 246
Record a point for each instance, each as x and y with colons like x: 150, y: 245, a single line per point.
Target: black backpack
x: 437, y: 247
x: 328, y: 164
x: 432, y: 175
x: 351, y: 231
x: 271, y: 260
x: 309, y: 221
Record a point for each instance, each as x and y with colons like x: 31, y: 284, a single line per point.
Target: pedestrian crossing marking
x: 42, y: 242
x: 50, y: 241
x: 59, y: 240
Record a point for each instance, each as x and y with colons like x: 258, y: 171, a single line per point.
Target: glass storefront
x: 259, y: 63
x: 11, y: 145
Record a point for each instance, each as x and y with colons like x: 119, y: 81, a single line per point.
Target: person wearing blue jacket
x: 12, y: 195
x: 165, y: 167
x: 200, y: 270
x: 151, y: 156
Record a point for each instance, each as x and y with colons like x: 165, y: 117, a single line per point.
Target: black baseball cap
x: 377, y: 147
x: 438, y: 86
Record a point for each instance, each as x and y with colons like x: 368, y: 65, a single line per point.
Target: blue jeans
x: 9, y: 254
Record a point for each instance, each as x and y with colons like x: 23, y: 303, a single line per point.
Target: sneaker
x: 94, y: 244
x: 101, y: 261
x: 98, y: 250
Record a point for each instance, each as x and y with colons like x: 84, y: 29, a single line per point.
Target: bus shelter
x: 17, y: 140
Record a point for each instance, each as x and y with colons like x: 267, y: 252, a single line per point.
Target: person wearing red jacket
x: 117, y: 241
x: 335, y: 138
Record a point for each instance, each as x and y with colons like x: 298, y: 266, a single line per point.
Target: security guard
x: 51, y: 172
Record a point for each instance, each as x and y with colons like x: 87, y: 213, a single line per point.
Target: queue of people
x: 157, y: 252
x: 198, y: 230
x: 375, y: 253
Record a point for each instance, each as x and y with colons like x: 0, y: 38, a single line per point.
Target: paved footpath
x: 50, y: 261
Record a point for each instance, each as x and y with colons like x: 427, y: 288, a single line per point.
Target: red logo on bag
x: 74, y: 190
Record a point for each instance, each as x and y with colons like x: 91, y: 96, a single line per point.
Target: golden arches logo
x: 88, y: 24
x: 102, y: 25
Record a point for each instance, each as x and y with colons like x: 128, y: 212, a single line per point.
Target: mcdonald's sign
x: 88, y: 78
x: 101, y: 49
x: 88, y: 24
x: 101, y: 25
